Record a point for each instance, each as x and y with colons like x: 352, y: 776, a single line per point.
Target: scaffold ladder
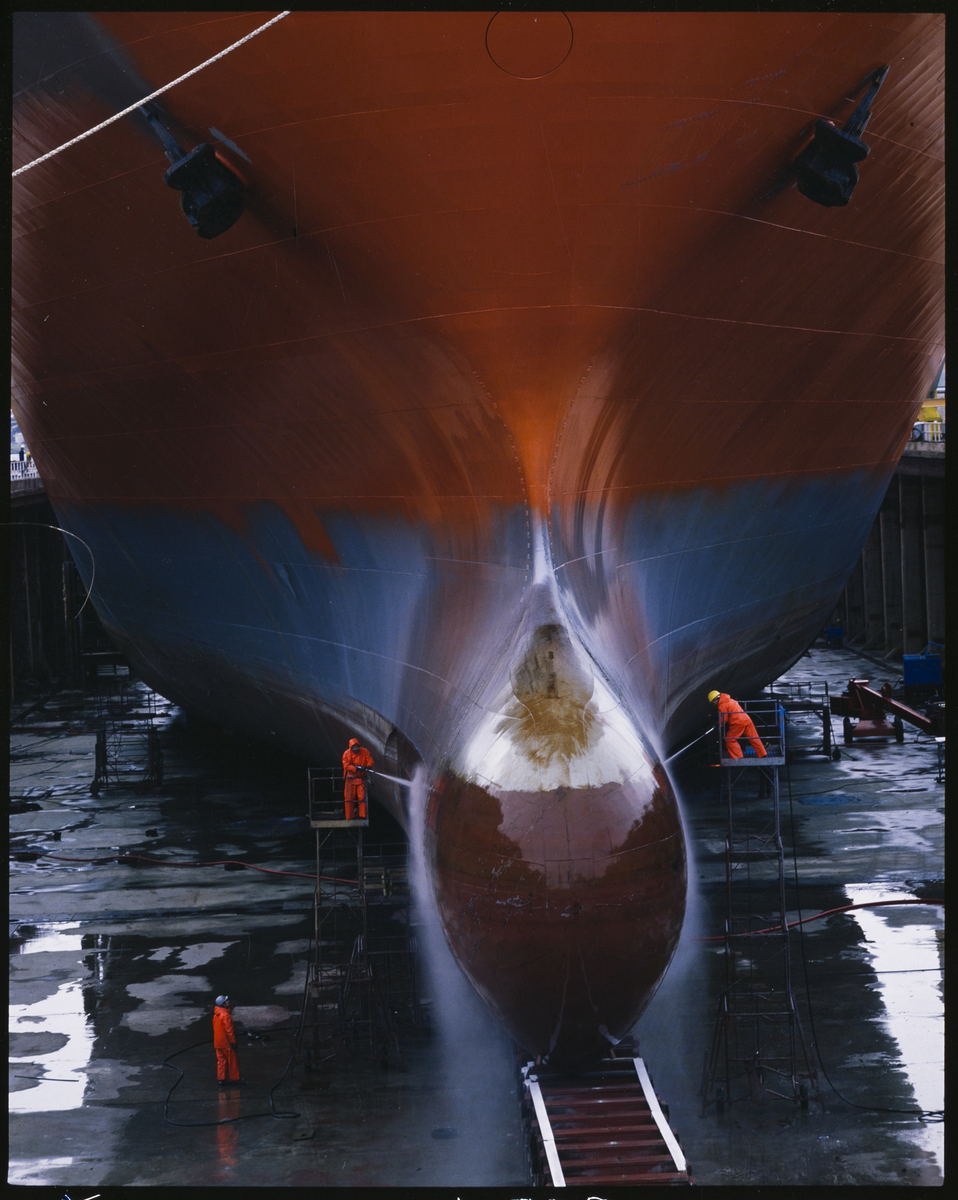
x: 345, y: 996
x: 758, y: 1047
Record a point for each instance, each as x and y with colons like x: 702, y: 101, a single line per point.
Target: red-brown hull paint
x: 485, y: 269
x: 567, y: 926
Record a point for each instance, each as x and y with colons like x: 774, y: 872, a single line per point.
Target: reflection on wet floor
x: 881, y: 1047
x: 50, y: 1039
x: 906, y: 956
x: 114, y: 968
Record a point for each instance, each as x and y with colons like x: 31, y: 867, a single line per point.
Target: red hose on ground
x: 827, y: 913
x: 165, y: 862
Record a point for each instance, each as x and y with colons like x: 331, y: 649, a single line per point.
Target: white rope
x: 152, y: 95
x: 43, y: 525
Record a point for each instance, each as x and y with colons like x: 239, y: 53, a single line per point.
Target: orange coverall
x: 355, y: 760
x: 738, y: 724
x: 224, y: 1042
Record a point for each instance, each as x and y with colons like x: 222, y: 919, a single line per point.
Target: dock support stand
x: 345, y: 997
x: 933, y: 519
x: 127, y: 749
x: 758, y: 1047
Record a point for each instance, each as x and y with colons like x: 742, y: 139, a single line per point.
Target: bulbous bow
x: 559, y: 858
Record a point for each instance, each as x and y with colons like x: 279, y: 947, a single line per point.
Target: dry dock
x: 114, y: 966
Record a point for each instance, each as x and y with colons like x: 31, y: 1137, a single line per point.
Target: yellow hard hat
x: 713, y: 696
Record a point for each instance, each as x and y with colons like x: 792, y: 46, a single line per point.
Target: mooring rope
x: 152, y: 95
x: 43, y: 525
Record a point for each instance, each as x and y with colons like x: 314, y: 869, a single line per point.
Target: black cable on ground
x: 302, y: 1016
x: 222, y: 1120
x: 273, y: 1113
x: 301, y: 1029
x: 911, y: 1112
x: 166, y: 862
x: 297, y: 1034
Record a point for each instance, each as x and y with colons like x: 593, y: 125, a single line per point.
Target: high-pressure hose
x: 208, y: 1041
x: 222, y: 1120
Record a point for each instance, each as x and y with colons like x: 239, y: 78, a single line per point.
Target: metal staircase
x: 603, y: 1127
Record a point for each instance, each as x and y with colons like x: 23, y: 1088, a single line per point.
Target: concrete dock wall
x: 47, y: 638
x: 894, y: 601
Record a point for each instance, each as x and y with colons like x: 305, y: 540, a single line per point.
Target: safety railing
x: 23, y: 469
x: 928, y: 431
x: 768, y: 721
x: 810, y: 693
x: 327, y: 800
x: 804, y: 701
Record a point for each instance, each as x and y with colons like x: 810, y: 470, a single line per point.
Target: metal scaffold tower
x: 356, y: 985
x: 127, y: 749
x: 805, y: 704
x: 758, y: 1048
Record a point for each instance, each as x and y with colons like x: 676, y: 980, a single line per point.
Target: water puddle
x: 162, y: 1008
x: 903, y: 946
x: 51, y: 1039
x: 203, y: 952
x: 908, y: 825
x: 50, y: 938
x: 35, y: 1170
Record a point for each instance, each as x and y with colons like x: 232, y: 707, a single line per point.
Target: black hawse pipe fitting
x: 827, y: 168
x: 213, y: 194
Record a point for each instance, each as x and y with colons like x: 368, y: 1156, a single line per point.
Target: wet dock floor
x: 114, y: 968
x: 868, y: 984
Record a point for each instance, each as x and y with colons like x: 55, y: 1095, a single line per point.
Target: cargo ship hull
x: 525, y: 346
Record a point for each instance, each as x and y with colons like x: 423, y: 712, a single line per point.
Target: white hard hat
x: 222, y: 1001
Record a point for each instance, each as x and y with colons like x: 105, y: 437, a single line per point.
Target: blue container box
x: 921, y: 668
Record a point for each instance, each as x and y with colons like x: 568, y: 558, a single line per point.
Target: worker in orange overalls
x: 356, y: 761
x: 738, y: 724
x: 224, y: 1042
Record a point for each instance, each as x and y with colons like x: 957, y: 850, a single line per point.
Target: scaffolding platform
x: 127, y: 748
x: 327, y: 803
x: 768, y: 717
x: 758, y: 1047
x: 363, y: 977
x: 808, y: 699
